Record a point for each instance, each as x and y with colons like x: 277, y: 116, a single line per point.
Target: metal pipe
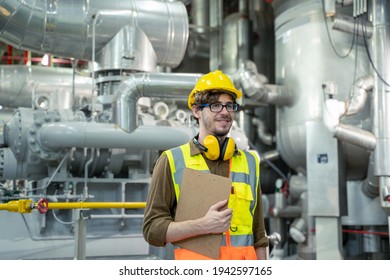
x: 381, y: 99
x: 290, y: 211
x: 20, y: 84
x: 354, y: 135
x: 20, y: 206
x: 278, y: 95
x: 243, y: 34
x: 262, y: 132
x: 348, y: 24
x: 116, y: 216
x: 26, y: 205
x: 200, y: 16
x: 370, y: 186
x: 100, y: 135
x: 95, y: 205
x: 86, y: 170
x: 63, y: 28
x: 256, y: 88
x: 270, y: 155
x: 216, y: 21
x: 359, y: 94
x: 171, y: 85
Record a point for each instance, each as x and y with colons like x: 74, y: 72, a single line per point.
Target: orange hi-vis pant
x: 227, y: 252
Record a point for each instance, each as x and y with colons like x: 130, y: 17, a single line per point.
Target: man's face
x: 214, y: 123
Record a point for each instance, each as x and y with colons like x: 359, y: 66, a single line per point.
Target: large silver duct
x: 37, y: 86
x: 75, y: 28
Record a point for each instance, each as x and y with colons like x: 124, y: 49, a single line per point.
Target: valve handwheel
x: 43, y: 205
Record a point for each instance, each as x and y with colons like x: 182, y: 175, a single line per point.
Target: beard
x: 221, y: 133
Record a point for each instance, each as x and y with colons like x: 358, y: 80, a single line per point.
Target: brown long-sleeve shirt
x: 161, y: 203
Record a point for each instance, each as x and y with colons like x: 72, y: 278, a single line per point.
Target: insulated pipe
x: 57, y: 136
x: 18, y: 84
x: 370, y: 186
x: 171, y: 85
x: 216, y: 22
x: 381, y: 98
x: 64, y: 28
x: 360, y: 91
x: 200, y: 14
x: 262, y: 133
x: 255, y: 86
x: 278, y: 95
x: 348, y: 24
x: 356, y: 136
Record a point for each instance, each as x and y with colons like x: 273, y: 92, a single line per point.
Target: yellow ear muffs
x: 211, y: 143
x: 214, y: 151
x: 227, y: 148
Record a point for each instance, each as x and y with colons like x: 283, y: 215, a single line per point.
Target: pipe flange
x: 16, y: 132
x: 42, y: 118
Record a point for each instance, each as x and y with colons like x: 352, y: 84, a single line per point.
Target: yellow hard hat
x: 213, y: 81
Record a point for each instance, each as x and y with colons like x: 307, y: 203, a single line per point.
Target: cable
x: 351, y: 94
x: 59, y: 220
x: 273, y: 166
x: 355, y: 35
x: 330, y: 38
x: 52, y: 176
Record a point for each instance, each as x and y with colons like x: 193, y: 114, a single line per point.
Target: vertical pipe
x: 380, y: 55
x: 243, y: 33
x: 216, y: 19
x: 80, y: 236
x: 200, y: 15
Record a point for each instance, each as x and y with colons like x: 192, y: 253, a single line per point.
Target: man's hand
x: 217, y: 219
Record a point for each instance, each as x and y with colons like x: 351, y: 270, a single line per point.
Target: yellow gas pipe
x: 21, y: 206
x: 26, y: 205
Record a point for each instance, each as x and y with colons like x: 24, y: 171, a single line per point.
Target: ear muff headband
x: 214, y: 151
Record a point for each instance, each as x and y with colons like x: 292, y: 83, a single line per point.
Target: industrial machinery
x: 79, y: 141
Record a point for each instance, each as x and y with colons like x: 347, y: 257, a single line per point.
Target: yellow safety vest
x: 244, y: 173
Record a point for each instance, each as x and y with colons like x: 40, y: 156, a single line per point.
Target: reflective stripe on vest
x: 244, y: 173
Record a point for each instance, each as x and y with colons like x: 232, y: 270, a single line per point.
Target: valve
x: 43, y: 206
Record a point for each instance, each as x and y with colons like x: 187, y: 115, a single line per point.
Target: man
x: 213, y: 104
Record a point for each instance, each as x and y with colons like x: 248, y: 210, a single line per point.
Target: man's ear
x: 196, y: 111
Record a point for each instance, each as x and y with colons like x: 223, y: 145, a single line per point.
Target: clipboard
x: 200, y: 190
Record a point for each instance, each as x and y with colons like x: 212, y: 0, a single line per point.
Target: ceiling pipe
x: 64, y: 28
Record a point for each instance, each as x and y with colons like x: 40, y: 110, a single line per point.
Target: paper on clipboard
x: 198, y: 191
